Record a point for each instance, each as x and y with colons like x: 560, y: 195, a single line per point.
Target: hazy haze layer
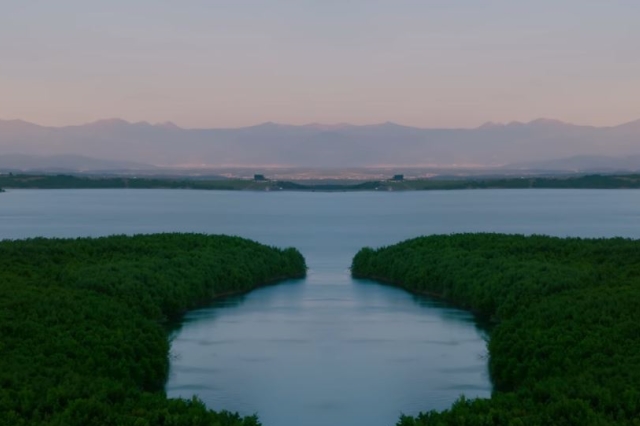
x: 272, y: 144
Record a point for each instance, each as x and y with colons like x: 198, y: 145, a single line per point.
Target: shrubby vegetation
x: 19, y: 181
x: 567, y: 182
x: 82, y: 335
x: 28, y: 181
x: 565, y: 349
x: 363, y: 186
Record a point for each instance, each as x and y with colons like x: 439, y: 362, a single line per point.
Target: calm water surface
x: 326, y: 350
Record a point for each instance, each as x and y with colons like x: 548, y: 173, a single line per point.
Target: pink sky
x: 236, y: 63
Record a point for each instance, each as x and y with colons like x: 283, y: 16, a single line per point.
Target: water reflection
x: 333, y: 348
x: 447, y: 311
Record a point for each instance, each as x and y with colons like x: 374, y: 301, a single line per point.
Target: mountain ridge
x: 322, y: 145
x: 321, y: 125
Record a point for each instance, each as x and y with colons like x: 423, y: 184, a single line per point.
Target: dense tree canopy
x: 82, y: 336
x: 21, y: 181
x: 565, y: 348
x: 93, y: 182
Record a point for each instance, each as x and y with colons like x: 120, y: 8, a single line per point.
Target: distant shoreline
x: 35, y: 181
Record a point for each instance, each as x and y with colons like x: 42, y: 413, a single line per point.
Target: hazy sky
x: 208, y: 63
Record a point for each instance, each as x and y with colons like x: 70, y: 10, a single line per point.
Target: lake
x: 326, y: 350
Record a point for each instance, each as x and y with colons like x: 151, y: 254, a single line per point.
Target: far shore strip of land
x: 41, y: 181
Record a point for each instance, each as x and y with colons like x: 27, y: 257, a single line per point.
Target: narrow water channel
x: 327, y: 350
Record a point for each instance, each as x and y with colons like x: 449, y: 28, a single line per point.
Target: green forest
x: 627, y: 181
x: 33, y: 181
x: 83, y: 323
x: 565, y: 341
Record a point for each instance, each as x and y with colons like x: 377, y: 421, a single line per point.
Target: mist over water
x: 327, y: 349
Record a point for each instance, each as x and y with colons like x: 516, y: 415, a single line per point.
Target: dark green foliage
x: 567, y: 182
x: 565, y: 348
x: 82, y: 337
x: 364, y: 186
x: 84, y: 182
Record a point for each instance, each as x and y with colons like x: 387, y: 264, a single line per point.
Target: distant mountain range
x: 118, y: 145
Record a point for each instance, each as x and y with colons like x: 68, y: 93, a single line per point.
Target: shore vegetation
x: 83, y: 323
x: 564, y: 347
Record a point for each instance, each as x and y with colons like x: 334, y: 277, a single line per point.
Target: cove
x: 328, y: 350
x: 388, y: 327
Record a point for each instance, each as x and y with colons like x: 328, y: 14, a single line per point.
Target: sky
x: 208, y: 63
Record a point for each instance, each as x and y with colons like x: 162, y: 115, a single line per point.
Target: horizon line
x: 317, y: 125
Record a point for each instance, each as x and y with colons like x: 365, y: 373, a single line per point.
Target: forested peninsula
x: 33, y: 181
x: 83, y: 323
x: 565, y: 345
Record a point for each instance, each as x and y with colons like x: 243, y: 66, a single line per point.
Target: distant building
x: 398, y: 178
x: 259, y: 178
